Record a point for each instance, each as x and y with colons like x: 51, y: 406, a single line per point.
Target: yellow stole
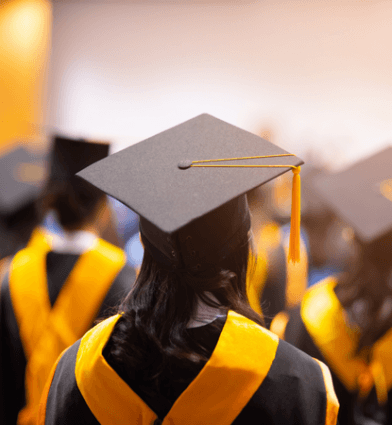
x: 45, y: 331
x: 40, y: 239
x: 324, y: 319
x: 238, y: 365
x: 297, y: 276
x: 266, y: 239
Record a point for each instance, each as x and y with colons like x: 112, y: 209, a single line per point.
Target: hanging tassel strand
x: 295, y: 235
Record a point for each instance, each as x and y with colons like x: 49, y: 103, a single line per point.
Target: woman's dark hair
x: 155, y: 314
x: 74, y: 200
x: 365, y: 290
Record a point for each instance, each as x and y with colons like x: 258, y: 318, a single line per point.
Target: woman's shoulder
x: 297, y: 389
x: 62, y: 387
x: 63, y: 392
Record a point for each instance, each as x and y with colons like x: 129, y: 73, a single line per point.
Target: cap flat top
x: 362, y: 195
x: 22, y: 176
x: 69, y: 156
x: 146, y: 176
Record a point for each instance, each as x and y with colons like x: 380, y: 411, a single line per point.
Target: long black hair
x: 365, y: 290
x: 155, y: 314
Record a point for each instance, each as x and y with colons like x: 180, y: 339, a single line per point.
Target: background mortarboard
x: 147, y: 178
x: 69, y: 156
x: 362, y: 195
x: 22, y: 178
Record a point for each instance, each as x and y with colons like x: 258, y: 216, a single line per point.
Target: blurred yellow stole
x: 324, y: 319
x: 45, y: 331
x: 237, y: 367
x: 40, y: 238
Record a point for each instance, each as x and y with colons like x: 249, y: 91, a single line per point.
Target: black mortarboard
x: 190, y: 215
x: 362, y: 195
x: 69, y: 156
x: 22, y: 178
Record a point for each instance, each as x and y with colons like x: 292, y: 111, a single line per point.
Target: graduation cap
x: 22, y: 179
x: 69, y: 156
x: 362, y: 195
x: 312, y: 205
x: 188, y: 184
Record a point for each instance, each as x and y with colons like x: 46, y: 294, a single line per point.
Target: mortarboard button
x: 183, y: 165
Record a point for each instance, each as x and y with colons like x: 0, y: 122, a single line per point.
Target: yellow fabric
x: 44, y: 331
x: 40, y: 239
x: 332, y: 409
x: 324, y: 319
x: 279, y: 324
x: 255, y: 280
x: 297, y: 277
x: 266, y: 239
x: 295, y: 236
x: 270, y: 236
x: 109, y: 398
x: 240, y: 362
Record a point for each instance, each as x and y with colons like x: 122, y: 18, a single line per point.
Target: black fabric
x: 350, y: 410
x: 58, y: 268
x: 12, y: 357
x: 225, y: 229
x: 66, y: 405
x: 293, y: 392
x: 273, y: 296
x: 72, y: 155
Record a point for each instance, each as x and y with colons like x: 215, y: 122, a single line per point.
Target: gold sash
x: 238, y: 365
x: 297, y: 276
x: 324, y: 319
x: 44, y: 331
x: 40, y: 239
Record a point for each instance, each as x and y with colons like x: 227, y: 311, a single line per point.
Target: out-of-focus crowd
x: 58, y: 233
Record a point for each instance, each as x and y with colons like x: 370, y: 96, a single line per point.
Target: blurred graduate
x: 55, y: 288
x: 346, y: 319
x: 186, y: 347
x: 23, y: 175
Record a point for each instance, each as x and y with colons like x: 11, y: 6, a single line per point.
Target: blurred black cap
x: 23, y: 175
x: 69, y: 156
x: 361, y: 195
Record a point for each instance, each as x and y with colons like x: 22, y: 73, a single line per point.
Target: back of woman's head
x: 73, y: 199
x: 76, y: 202
x: 156, y: 312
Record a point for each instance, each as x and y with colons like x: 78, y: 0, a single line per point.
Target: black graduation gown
x: 331, y: 341
x: 13, y: 359
x: 251, y: 377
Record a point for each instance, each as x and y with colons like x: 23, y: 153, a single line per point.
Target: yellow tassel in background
x: 295, y: 237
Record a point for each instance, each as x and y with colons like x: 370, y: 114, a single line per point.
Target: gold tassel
x: 295, y: 236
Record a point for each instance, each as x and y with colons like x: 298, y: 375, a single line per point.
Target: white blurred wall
x: 316, y: 73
